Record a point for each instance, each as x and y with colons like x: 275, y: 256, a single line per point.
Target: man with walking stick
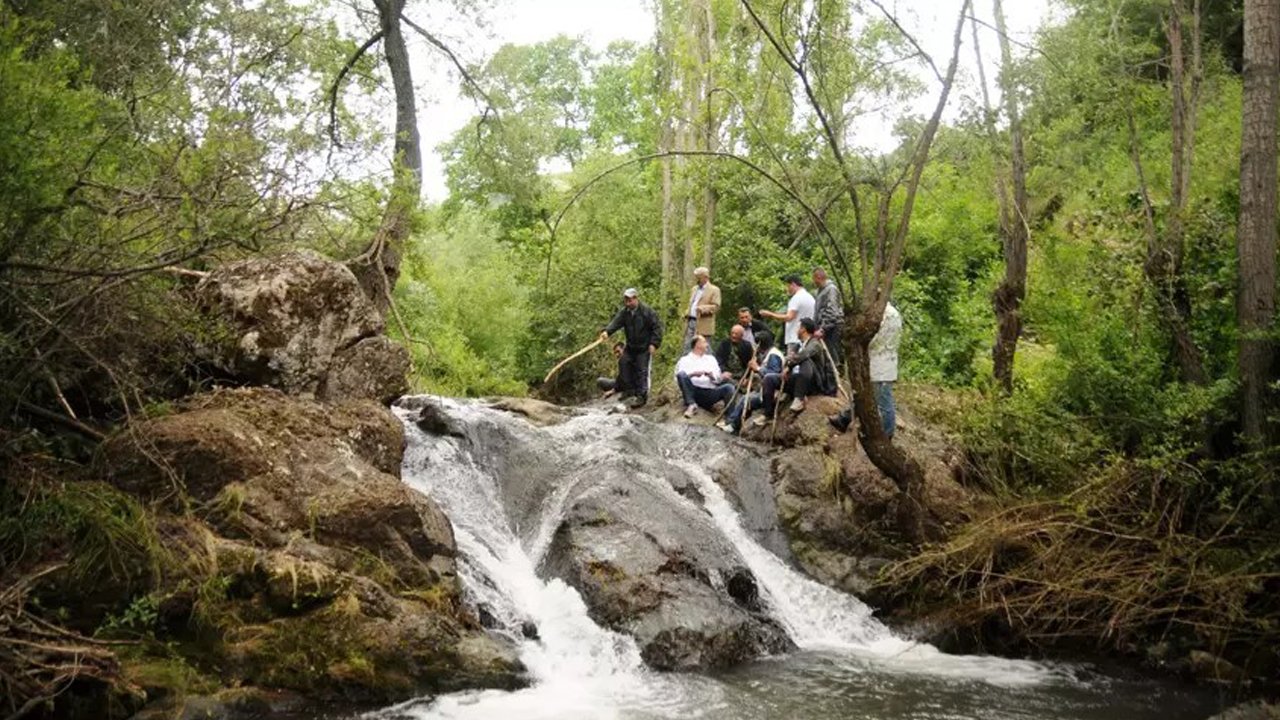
x: 644, y: 336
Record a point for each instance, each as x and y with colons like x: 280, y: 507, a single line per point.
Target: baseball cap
x: 630, y: 293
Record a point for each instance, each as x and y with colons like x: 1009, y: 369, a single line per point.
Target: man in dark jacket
x: 644, y: 336
x: 808, y: 370
x: 754, y: 331
x: 734, y: 353
x: 828, y: 314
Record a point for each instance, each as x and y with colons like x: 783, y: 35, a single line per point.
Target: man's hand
x: 652, y: 349
x: 726, y: 375
x: 604, y: 335
x: 753, y: 366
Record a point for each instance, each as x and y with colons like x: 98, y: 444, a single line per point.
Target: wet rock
x: 300, y: 322
x: 537, y: 412
x: 1207, y: 666
x: 657, y: 570
x: 529, y: 630
x: 1251, y: 711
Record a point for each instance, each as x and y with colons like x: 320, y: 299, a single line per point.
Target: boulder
x: 1251, y: 711
x: 654, y: 568
x: 300, y: 322
x: 337, y: 578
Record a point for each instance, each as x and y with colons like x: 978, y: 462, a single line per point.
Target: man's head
x: 701, y: 274
x: 631, y: 297
x: 820, y: 277
x: 807, y: 328
x: 744, y: 317
x: 618, y: 348
x: 794, y: 283
x: 735, y: 334
x: 699, y: 345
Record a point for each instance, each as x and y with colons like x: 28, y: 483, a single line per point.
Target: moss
x: 165, y: 675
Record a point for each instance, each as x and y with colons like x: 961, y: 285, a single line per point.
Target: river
x: 849, y: 664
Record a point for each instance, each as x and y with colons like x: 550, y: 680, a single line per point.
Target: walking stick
x: 578, y: 354
x: 777, y: 406
x: 834, y: 369
x: 728, y: 403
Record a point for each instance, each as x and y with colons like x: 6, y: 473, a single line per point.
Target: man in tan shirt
x: 700, y: 313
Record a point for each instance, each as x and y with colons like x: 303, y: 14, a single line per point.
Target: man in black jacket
x: 644, y: 336
x: 734, y: 353
x: 753, y: 329
x: 808, y: 370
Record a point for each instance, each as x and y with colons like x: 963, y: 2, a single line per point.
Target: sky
x: 442, y: 111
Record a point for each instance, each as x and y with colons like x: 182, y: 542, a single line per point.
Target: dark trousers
x: 769, y: 392
x: 633, y: 373
x: 705, y: 398
x: 734, y: 417
x: 831, y: 336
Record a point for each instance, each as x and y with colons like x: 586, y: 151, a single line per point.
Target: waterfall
x: 577, y: 668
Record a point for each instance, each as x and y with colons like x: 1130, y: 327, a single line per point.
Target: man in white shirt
x: 884, y: 371
x: 701, y: 382
x: 800, y: 306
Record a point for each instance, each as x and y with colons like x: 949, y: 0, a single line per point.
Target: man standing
x: 800, y: 306
x: 734, y: 353
x: 884, y: 371
x: 753, y: 330
x: 828, y: 313
x: 704, y: 303
x: 644, y: 336
x: 701, y: 382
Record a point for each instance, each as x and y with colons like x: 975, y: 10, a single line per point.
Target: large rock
x: 301, y: 323
x: 654, y: 569
x: 338, y: 579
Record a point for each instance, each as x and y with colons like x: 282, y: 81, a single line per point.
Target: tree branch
x: 337, y: 81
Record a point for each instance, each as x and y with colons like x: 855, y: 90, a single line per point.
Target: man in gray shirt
x: 828, y: 314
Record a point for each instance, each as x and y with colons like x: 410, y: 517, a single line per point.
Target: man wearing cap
x: 644, y: 336
x: 704, y: 303
x: 800, y: 306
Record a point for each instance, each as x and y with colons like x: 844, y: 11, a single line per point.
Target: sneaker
x: 839, y: 422
x: 636, y: 402
x: 725, y: 426
x: 797, y: 405
x: 759, y: 420
x: 690, y: 411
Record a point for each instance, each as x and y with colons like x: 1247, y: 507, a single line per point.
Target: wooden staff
x: 576, y: 355
x: 732, y: 397
x: 834, y: 369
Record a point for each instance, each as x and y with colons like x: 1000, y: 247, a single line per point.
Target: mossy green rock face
x: 302, y: 562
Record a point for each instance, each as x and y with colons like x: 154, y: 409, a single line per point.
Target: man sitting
x: 701, y: 382
x: 769, y: 363
x: 753, y: 330
x: 807, y: 370
x: 734, y: 353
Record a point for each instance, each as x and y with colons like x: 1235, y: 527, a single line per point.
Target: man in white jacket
x: 701, y: 381
x: 884, y: 371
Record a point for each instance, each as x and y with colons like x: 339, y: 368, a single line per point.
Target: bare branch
x: 337, y: 81
x: 462, y: 69
x: 893, y: 19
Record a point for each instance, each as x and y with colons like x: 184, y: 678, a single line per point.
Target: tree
x: 879, y: 252
x: 1256, y: 237
x: 1014, y: 221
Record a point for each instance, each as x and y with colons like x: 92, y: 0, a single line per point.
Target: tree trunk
x: 1256, y: 237
x: 710, y: 128
x: 378, y: 268
x: 1012, y: 291
x: 891, y: 459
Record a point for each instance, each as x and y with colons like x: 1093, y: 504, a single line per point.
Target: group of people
x: 804, y: 364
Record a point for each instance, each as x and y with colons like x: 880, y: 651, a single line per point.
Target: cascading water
x: 580, y: 670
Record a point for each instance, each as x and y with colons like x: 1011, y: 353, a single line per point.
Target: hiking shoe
x: 759, y: 420
x: 690, y: 411
x: 839, y: 422
x: 797, y: 405
x: 636, y: 402
x: 725, y: 426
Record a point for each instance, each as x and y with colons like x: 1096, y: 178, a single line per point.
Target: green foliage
x: 464, y: 307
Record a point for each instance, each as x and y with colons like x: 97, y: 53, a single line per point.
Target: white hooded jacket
x: 884, y: 346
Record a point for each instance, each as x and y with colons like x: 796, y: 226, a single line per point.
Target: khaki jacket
x: 708, y: 306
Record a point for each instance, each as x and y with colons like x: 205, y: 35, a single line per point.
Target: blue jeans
x: 734, y: 417
x: 884, y: 401
x: 705, y: 398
